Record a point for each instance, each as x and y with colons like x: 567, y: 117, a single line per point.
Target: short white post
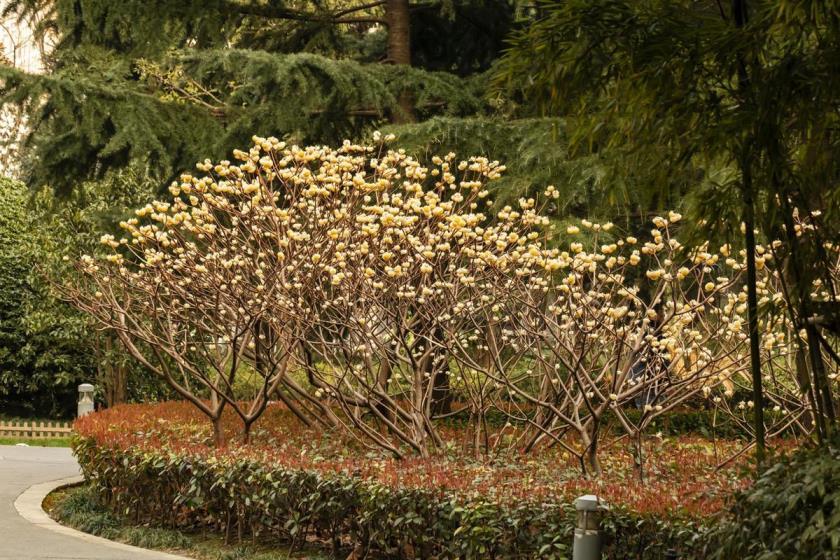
x: 587, y: 543
x: 85, y: 399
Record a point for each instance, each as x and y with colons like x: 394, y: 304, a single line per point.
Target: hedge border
x: 242, y: 497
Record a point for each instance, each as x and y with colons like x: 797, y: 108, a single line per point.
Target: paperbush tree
x: 301, y: 253
x: 615, y: 323
x: 402, y: 297
x: 203, y: 287
x: 403, y: 273
x: 565, y: 339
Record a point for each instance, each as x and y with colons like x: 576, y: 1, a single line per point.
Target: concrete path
x: 27, y: 474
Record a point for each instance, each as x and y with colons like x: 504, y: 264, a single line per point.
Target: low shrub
x: 153, y: 464
x: 240, y: 496
x: 79, y: 509
x: 792, y: 511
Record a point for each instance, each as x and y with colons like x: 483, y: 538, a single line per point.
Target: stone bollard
x: 588, y: 543
x: 85, y: 400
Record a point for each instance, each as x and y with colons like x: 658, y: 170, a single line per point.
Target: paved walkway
x: 37, y: 537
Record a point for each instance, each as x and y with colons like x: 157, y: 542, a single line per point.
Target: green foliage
x: 461, y: 35
x: 46, y: 347
x: 120, y: 122
x: 707, y: 423
x: 236, y: 495
x: 601, y: 182
x: 161, y: 86
x: 40, y: 442
x: 164, y: 116
x: 314, y: 98
x: 41, y: 360
x: 536, y: 153
x: 681, y: 82
x: 80, y: 508
x: 137, y: 26
x: 792, y: 511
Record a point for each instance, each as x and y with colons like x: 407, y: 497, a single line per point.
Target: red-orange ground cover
x: 680, y: 473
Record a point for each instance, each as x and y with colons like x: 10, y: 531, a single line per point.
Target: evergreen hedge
x: 792, y: 511
x: 241, y: 496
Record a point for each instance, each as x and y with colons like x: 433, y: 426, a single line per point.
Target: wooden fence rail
x: 35, y: 430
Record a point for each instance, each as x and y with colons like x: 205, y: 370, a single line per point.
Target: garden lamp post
x: 587, y: 543
x: 85, y: 399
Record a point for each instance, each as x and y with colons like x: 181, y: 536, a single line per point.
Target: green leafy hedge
x: 239, y: 496
x: 792, y: 511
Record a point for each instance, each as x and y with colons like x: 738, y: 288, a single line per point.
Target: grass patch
x: 36, y: 442
x: 79, y: 507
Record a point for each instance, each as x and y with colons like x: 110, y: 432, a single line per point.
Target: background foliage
x: 42, y: 353
x: 46, y: 347
x: 792, y: 511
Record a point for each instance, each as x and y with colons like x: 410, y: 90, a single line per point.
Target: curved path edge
x: 29, y: 505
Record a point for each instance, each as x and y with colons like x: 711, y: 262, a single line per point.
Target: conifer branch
x: 272, y: 12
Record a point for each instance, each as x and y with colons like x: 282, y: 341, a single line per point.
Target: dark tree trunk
x: 592, y: 449
x: 752, y: 312
x: 398, y: 19
x: 739, y: 13
x: 113, y: 376
x: 800, y: 309
x: 441, y: 385
x: 218, y: 432
x: 383, y: 379
x: 399, y: 31
x: 117, y: 388
x: 441, y: 392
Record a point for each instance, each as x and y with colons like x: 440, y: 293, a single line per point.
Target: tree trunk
x: 739, y: 13
x: 441, y: 384
x: 117, y: 387
x: 399, y: 31
x: 398, y: 20
x: 218, y: 432
x: 383, y: 379
x: 112, y: 376
x: 591, y: 444
x: 800, y: 309
x: 441, y: 392
x: 810, y: 418
x: 820, y: 377
x: 752, y: 312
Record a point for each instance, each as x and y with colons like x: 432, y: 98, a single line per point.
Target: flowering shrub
x: 333, y: 262
x: 153, y: 462
x: 378, y: 296
x: 625, y: 324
